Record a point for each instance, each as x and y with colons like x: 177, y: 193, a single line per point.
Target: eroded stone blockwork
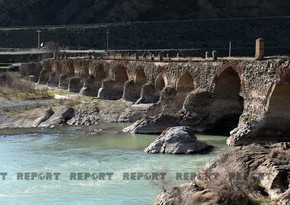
x: 249, y: 97
x: 266, y: 109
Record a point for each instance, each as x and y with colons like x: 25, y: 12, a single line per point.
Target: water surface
x: 70, y: 150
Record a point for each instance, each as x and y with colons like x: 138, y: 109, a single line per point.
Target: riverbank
x: 249, y: 175
x: 72, y: 109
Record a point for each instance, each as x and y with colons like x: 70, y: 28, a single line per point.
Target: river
x: 59, y: 159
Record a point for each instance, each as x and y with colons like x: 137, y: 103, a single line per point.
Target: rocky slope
x: 248, y: 175
x: 40, y: 12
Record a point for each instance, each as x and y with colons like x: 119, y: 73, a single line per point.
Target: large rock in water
x: 177, y: 140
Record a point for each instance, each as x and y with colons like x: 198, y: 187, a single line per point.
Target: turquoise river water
x: 59, y: 159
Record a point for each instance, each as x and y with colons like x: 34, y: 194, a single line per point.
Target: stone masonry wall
x: 223, y: 94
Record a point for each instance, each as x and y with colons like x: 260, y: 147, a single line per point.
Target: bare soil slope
x: 43, y: 12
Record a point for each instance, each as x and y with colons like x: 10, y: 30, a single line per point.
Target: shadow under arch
x: 277, y: 119
x: 100, y: 73
x: 84, y: 73
x: 93, y: 82
x: 121, y: 75
x: 160, y: 83
x: 133, y: 88
x: 114, y: 89
x: 185, y: 83
x: 228, y: 105
x: 70, y: 70
x: 55, y: 74
x: 140, y: 77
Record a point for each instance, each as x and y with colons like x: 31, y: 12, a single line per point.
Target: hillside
x: 48, y: 12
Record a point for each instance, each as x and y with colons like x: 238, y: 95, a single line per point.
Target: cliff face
x: 41, y: 12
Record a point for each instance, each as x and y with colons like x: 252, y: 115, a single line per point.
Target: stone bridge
x: 249, y: 97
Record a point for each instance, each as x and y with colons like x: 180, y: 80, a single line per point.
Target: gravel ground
x: 8, y: 105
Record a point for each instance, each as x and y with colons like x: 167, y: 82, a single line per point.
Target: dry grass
x: 13, y: 87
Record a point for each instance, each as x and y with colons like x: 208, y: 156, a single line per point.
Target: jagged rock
x: 88, y: 114
x: 60, y: 116
x: 153, y: 125
x: 45, y: 116
x: 285, y: 200
x: 177, y: 140
x: 246, y: 175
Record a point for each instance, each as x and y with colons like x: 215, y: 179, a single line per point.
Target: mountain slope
x: 43, y: 12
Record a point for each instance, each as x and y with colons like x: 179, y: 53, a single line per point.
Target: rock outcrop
x: 253, y: 174
x: 153, y: 125
x: 60, y: 116
x: 177, y: 140
x: 87, y: 114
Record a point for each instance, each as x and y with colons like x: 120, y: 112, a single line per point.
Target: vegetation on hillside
x: 13, y: 87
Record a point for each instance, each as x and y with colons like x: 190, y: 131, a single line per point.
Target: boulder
x: 44, y: 116
x: 177, y: 140
x: 88, y: 114
x: 60, y: 116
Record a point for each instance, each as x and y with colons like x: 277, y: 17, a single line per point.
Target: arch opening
x: 58, y: 69
x: 100, y: 74
x: 159, y: 84
x: 84, y: 72
x: 140, y: 77
x: 278, y: 115
x: 70, y: 70
x: 121, y: 75
x: 133, y: 89
x: 228, y: 104
x: 185, y: 83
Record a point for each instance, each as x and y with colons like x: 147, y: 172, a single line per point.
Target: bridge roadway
x: 249, y: 97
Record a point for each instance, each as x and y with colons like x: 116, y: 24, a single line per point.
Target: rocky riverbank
x: 253, y: 174
x: 52, y: 112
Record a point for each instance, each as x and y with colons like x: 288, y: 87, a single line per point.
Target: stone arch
x: 160, y: 83
x: 121, y: 74
x: 185, y: 83
x: 94, y: 81
x: 70, y: 71
x: 140, y: 77
x: 58, y: 68
x: 55, y: 74
x: 133, y: 88
x: 230, y: 65
x: 278, y: 115
x: 45, y: 72
x: 114, y: 89
x: 228, y: 104
x: 227, y: 85
x: 100, y: 73
x: 84, y: 72
x: 47, y: 65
